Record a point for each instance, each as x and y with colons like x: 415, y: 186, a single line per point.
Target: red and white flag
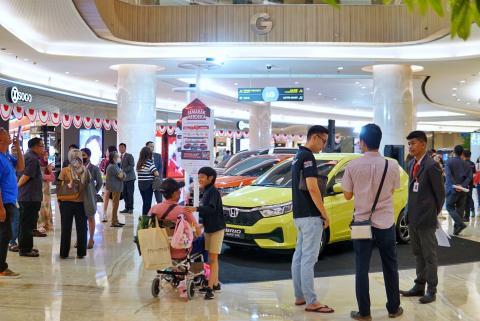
x: 97, y: 123
x: 6, y: 112
x: 31, y: 114
x: 87, y: 122
x: 18, y: 112
x: 114, y: 125
x: 77, y: 121
x: 67, y: 121
x: 107, y: 124
x: 55, y: 119
x: 43, y: 116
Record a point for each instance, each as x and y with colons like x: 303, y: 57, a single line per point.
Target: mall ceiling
x: 335, y: 88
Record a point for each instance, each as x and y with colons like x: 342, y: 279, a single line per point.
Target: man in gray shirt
x: 30, y: 197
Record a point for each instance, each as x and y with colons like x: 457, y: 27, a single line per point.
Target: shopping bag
x: 442, y: 236
x: 155, y: 248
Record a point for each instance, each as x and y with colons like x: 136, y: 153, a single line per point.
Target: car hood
x: 256, y: 196
x: 233, y: 181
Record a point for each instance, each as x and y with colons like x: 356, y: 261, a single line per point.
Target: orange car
x: 246, y: 171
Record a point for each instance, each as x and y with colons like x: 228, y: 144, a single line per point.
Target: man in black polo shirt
x: 30, y: 197
x: 310, y: 219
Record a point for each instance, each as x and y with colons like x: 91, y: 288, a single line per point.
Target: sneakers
x: 396, y: 314
x: 117, y: 225
x: 9, y: 274
x: 458, y: 230
x: 124, y: 211
x: 217, y: 288
x: 209, y: 295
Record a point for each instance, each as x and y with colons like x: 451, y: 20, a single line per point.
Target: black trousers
x: 158, y: 196
x: 456, y: 202
x: 385, y: 240
x: 68, y: 212
x: 147, y: 195
x: 469, y: 204
x: 28, y: 222
x: 424, y: 246
x: 6, y: 235
x: 128, y: 190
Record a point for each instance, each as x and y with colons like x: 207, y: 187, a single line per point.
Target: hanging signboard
x: 197, y: 136
x: 270, y: 94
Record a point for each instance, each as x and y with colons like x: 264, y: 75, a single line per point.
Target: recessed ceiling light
x: 96, y: 80
x: 462, y: 81
x: 340, y: 68
x: 468, y: 103
x: 454, y: 95
x: 10, y: 53
x: 363, y: 87
x: 334, y: 98
x: 357, y: 83
x: 25, y: 59
x: 454, y: 88
x: 296, y: 83
x: 458, y: 99
x: 307, y: 89
x: 67, y: 72
x: 236, y: 84
x: 320, y: 94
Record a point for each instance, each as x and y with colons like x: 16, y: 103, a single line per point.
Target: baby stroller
x: 187, y: 275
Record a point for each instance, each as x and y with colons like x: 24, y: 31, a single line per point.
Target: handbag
x: 363, y: 230
x: 157, y: 182
x: 68, y: 191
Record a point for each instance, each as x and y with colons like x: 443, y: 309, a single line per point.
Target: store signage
x: 241, y: 125
x: 197, y: 136
x: 270, y: 94
x: 261, y: 23
x: 13, y: 95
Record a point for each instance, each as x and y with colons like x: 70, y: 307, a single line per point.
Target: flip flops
x: 321, y: 309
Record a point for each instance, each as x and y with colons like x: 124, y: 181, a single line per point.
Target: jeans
x: 15, y: 225
x: 309, y: 236
x: 128, y: 190
x: 385, y: 240
x: 456, y: 202
x: 147, y: 195
x: 69, y: 211
x: 28, y: 222
x: 158, y: 196
x: 478, y: 194
x: 424, y: 246
x: 5, y: 235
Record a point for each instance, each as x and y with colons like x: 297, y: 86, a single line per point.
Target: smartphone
x: 19, y: 132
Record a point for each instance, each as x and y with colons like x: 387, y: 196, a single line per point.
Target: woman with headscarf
x: 45, y: 216
x: 74, y: 174
x: 114, y: 184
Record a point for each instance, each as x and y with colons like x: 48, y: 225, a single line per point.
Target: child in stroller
x: 187, y: 272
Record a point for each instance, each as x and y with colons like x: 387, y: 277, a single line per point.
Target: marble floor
x: 110, y: 284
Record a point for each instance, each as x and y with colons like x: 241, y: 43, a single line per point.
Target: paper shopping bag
x: 155, y: 248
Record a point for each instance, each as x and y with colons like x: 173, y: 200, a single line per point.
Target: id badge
x: 415, y: 187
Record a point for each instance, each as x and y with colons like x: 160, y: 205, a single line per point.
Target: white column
x: 393, y: 105
x: 260, y: 132
x: 136, y: 114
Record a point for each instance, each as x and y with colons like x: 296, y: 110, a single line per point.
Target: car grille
x: 245, y: 216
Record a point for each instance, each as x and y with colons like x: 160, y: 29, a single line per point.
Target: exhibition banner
x: 197, y: 136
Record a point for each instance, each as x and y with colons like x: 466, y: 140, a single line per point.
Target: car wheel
x: 403, y: 236
x: 325, y: 238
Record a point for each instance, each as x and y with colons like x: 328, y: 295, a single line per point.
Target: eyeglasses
x: 324, y: 140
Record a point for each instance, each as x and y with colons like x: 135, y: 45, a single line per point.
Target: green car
x: 261, y: 215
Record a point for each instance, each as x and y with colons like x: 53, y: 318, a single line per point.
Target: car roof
x: 336, y: 156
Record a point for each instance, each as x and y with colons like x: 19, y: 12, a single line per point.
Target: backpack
x: 183, y: 235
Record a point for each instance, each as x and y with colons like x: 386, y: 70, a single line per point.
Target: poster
x: 197, y: 136
x: 174, y: 170
x: 92, y: 139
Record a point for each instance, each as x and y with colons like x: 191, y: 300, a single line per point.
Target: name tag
x: 415, y: 187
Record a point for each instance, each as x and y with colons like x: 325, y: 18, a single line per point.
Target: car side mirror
x: 337, y: 188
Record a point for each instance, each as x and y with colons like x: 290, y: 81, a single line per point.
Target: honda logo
x: 233, y: 212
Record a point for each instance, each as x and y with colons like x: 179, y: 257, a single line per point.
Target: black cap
x: 170, y: 185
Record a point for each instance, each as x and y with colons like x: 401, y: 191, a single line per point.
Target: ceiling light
x: 357, y: 83
x: 458, y: 99
x: 296, y: 83
x: 454, y: 95
x: 25, y: 59
x: 334, y: 98
x: 468, y: 103
x: 96, y: 80
x: 462, y: 81
x: 67, y: 72
x: 236, y: 84
x: 454, y: 88
x: 340, y: 68
x: 10, y: 53
x: 320, y: 94
x: 307, y: 89
x: 363, y: 87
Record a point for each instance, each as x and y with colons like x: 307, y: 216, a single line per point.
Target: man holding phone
x: 8, y: 198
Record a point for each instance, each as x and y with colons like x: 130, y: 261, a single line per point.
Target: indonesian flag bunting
x: 6, y: 112
x: 107, y: 124
x: 87, y: 122
x: 97, y: 123
x: 31, y: 114
x: 55, y: 118
x: 67, y: 121
x: 170, y: 130
x: 77, y: 121
x: 114, y: 125
x: 43, y: 116
x: 18, y: 112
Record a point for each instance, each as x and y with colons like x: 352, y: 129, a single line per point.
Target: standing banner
x: 197, y: 136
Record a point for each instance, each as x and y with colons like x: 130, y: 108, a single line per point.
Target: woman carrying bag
x: 114, y: 184
x: 75, y: 202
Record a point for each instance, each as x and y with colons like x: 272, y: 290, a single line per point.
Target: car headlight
x: 276, y: 210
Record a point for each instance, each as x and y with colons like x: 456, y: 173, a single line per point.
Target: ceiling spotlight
x: 454, y: 95
x: 340, y: 68
x: 320, y: 94
x: 25, y: 59
x: 67, y: 72
x: 307, y: 89
x: 454, y: 88
x: 458, y: 99
x: 363, y: 87
x: 462, y: 81
x: 235, y: 84
x: 334, y: 98
x: 10, y: 53
x: 357, y: 83
x: 468, y: 103
x: 96, y: 80
x: 296, y: 83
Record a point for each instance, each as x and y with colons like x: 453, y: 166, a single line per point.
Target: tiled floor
x: 110, y: 284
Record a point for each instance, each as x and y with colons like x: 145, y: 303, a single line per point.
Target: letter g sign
x: 261, y: 23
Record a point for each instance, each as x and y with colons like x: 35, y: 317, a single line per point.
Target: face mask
x: 85, y: 160
x: 76, y: 163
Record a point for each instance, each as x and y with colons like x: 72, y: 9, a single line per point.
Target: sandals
x: 90, y: 245
x: 300, y: 303
x: 321, y: 309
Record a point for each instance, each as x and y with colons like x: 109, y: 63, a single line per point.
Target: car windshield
x: 238, y: 158
x: 281, y: 176
x: 248, y: 165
